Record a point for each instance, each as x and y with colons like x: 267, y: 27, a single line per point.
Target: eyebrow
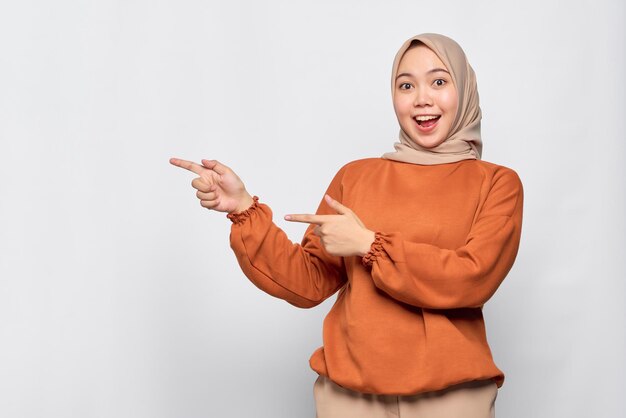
x: 434, y: 70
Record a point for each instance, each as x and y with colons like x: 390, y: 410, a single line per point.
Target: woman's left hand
x: 343, y: 234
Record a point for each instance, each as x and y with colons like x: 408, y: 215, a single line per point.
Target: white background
x: 119, y: 293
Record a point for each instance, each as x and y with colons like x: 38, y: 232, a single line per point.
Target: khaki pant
x: 468, y: 400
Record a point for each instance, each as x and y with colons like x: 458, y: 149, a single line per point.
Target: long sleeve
x: 302, y: 274
x: 427, y: 276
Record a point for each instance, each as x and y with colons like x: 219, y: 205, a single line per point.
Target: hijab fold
x: 463, y: 141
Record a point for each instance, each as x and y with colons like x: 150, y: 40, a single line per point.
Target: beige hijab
x: 463, y: 141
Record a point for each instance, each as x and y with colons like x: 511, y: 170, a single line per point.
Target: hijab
x: 463, y: 141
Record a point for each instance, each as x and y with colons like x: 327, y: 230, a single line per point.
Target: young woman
x: 415, y: 242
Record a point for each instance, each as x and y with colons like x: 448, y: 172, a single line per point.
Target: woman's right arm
x: 302, y: 274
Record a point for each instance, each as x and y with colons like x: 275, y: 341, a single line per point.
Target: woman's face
x: 423, y: 87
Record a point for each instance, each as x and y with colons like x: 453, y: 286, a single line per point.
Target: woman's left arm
x: 427, y: 276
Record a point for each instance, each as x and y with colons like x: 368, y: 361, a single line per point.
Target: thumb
x: 336, y: 205
x: 215, y: 165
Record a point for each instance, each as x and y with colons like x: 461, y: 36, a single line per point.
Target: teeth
x: 423, y: 118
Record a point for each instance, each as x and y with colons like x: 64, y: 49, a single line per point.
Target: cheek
x: 449, y: 101
x: 402, y: 105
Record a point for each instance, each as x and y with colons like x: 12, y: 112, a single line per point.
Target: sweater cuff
x: 240, y: 217
x: 376, y: 250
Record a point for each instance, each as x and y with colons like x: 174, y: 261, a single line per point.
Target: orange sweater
x: 408, y: 315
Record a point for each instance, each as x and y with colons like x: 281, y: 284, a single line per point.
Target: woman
x: 415, y: 242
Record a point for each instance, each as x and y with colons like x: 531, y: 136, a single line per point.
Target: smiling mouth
x: 427, y: 122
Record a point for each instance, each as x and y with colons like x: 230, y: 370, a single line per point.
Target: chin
x: 431, y: 144
x: 428, y: 143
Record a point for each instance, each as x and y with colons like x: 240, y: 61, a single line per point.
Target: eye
x: 404, y: 86
x: 442, y: 82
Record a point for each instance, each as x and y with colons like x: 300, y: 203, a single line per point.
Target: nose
x: 422, y: 97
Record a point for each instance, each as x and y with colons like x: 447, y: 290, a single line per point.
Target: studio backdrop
x: 119, y: 294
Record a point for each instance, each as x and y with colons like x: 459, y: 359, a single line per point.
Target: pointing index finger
x: 307, y: 218
x: 189, y: 165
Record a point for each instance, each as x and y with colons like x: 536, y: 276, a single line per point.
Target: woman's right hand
x: 218, y: 187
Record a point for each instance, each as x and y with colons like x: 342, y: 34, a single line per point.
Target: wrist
x: 244, y: 203
x: 370, y: 237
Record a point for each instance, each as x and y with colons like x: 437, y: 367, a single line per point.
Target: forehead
x: 419, y: 58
